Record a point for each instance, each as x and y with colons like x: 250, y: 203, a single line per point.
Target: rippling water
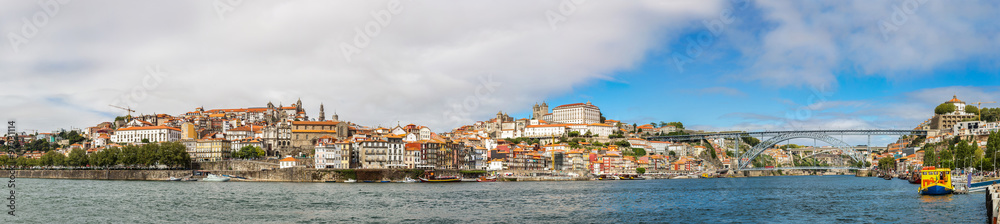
x: 826, y: 199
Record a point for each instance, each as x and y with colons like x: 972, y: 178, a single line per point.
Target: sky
x: 713, y: 65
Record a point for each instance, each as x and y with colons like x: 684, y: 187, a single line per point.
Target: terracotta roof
x: 314, y: 131
x: 148, y: 128
x: 315, y: 122
x: 288, y: 159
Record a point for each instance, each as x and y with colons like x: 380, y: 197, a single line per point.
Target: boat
x: 409, y: 180
x: 914, y: 177
x: 935, y: 181
x: 441, y: 179
x: 608, y: 177
x: 174, y: 179
x: 350, y: 181
x: 215, y: 178
x: 487, y: 179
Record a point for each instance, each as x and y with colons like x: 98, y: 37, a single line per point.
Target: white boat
x: 350, y: 181
x: 215, y: 178
x: 174, y: 179
x: 410, y: 180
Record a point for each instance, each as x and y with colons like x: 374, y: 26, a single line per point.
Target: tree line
x: 959, y: 154
x: 170, y: 154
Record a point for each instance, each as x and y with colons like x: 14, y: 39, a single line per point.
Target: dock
x: 993, y: 202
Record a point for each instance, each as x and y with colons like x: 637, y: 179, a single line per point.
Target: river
x: 796, y: 199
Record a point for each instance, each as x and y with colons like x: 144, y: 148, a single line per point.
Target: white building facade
x: 151, y: 133
x: 577, y: 113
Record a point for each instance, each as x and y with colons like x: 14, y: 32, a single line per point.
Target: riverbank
x: 325, y: 175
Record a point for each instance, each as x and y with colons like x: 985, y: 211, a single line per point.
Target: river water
x: 799, y: 199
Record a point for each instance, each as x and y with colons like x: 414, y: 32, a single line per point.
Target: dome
x: 954, y: 99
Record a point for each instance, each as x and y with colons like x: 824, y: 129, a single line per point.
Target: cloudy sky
x: 714, y: 65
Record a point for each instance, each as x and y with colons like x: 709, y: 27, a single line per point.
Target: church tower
x: 335, y: 117
x: 322, y: 116
x: 298, y: 106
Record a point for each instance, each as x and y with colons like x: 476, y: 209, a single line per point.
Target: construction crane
x: 129, y: 109
x: 979, y: 106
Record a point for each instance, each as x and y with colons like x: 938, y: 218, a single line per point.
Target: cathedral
x: 539, y: 110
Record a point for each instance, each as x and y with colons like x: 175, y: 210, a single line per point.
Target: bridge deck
x: 801, y: 168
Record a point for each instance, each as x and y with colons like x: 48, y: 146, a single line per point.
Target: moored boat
x: 935, y: 181
x: 409, y: 180
x: 487, y: 179
x: 350, y: 181
x: 442, y: 179
x: 174, y: 179
x: 215, y: 178
x: 914, y: 177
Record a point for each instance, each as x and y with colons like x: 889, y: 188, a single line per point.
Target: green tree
x: 602, y: 117
x: 930, y: 157
x: 253, y: 152
x: 574, y: 134
x: 945, y: 158
x: 677, y: 124
x: 944, y: 108
x: 972, y: 109
x: 750, y: 140
x: 48, y: 159
x: 993, y: 147
x: 145, y: 140
x: 640, y: 170
x: 639, y: 152
x: 77, y: 157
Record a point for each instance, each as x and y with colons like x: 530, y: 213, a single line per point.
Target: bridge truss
x: 744, y: 159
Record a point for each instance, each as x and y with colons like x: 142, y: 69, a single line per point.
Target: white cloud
x: 811, y: 43
x: 428, y: 58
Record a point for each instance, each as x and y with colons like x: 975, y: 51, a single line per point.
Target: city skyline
x: 771, y: 66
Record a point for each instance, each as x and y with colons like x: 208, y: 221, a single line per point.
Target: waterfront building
x: 150, y: 133
x: 213, y: 147
x: 328, y: 154
x: 577, y: 113
x: 287, y: 162
x: 411, y: 155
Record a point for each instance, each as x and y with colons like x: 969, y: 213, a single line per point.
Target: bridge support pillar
x: 863, y: 173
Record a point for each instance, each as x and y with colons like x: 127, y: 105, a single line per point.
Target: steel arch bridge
x: 744, y: 159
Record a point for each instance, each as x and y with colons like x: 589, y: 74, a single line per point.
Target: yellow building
x: 211, y: 149
x: 188, y: 131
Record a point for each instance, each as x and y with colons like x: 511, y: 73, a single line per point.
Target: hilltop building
x: 947, y: 121
x: 577, y: 113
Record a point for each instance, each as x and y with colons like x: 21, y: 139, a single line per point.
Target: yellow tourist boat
x: 935, y: 181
